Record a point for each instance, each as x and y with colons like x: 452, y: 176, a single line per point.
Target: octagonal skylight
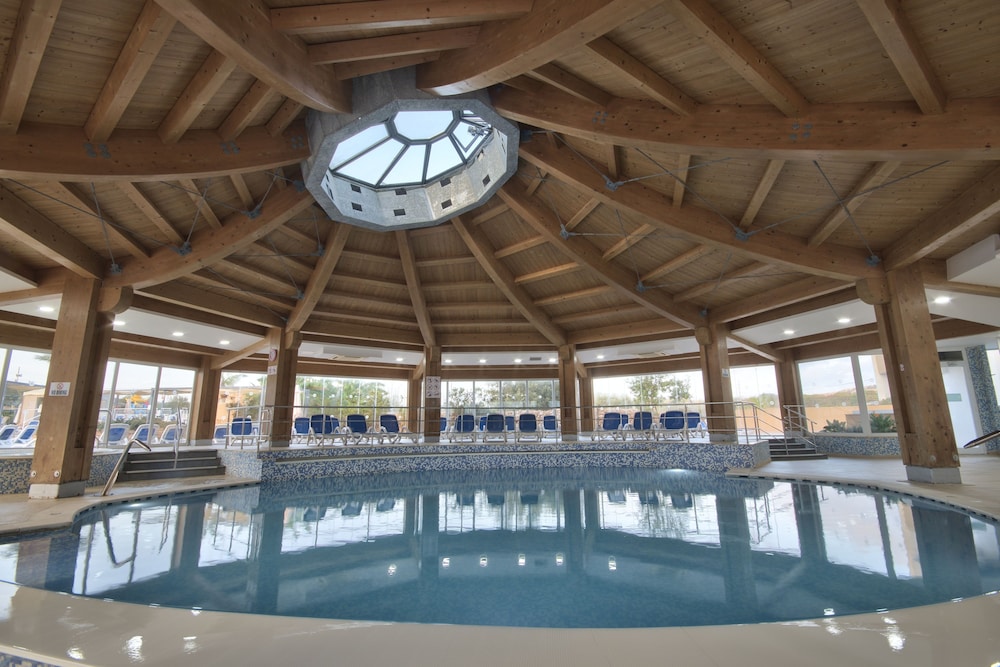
x: 407, y: 160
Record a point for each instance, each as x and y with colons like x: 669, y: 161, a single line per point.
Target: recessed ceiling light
x: 223, y: 342
x: 399, y: 358
x: 178, y: 334
x: 552, y: 360
x: 789, y: 332
x: 119, y: 323
x: 843, y: 320
x: 517, y: 361
x: 447, y: 361
x: 600, y: 356
x: 46, y: 309
x: 940, y: 300
x: 482, y: 361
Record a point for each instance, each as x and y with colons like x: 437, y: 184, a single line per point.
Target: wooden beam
x: 415, y: 289
x: 581, y: 213
x: 709, y: 286
x: 570, y: 83
x: 765, y: 351
x: 892, y: 28
x: 521, y: 246
x: 508, y: 48
x: 643, y: 77
x: 58, y: 152
x: 199, y: 91
x: 230, y: 358
x: 873, y: 132
x: 760, y: 193
x: 382, y: 14
x: 392, y: 46
x: 969, y: 211
x: 200, y: 201
x: 876, y: 176
x: 582, y: 251
x: 50, y: 284
x: 241, y: 29
x: 211, y: 245
x: 800, y: 290
x: 148, y: 35
x: 550, y: 272
x: 846, y: 294
x: 698, y: 224
x: 501, y: 276
x: 212, y: 303
x: 242, y: 191
x: 680, y: 179
x: 252, y: 103
x: 26, y: 225
x: 677, y: 262
x: 35, y: 21
x: 345, y: 71
x: 573, y: 296
x: 15, y: 268
x: 149, y: 210
x: 179, y: 311
x: 284, y: 117
x: 85, y: 204
x: 320, y: 278
x: 703, y: 20
x: 621, y: 246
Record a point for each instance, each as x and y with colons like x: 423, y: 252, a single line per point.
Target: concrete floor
x: 62, y: 629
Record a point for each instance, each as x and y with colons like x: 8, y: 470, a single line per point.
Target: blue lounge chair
x: 240, y: 430
x: 390, y: 430
x: 642, y: 425
x: 220, y: 435
x: 117, y: 435
x: 527, y: 428
x: 495, y: 429
x: 357, y: 430
x: 550, y: 427
x: 611, y: 427
x: 301, y: 430
x: 509, y: 423
x: 672, y: 424
x: 7, y: 432
x: 171, y: 435
x: 464, y: 429
x: 145, y: 433
x: 26, y: 437
x: 325, y: 429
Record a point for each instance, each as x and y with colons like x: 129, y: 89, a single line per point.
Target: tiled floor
x: 61, y: 629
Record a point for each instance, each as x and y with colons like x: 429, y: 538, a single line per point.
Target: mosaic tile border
x: 857, y: 445
x: 15, y: 472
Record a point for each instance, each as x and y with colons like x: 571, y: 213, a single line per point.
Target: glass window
x: 830, y: 396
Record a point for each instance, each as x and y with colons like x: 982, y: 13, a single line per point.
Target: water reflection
x: 599, y: 548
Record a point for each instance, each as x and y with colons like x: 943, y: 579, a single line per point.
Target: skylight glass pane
x: 471, y: 137
x: 360, y: 142
x: 444, y: 158
x: 422, y: 125
x: 409, y: 169
x: 369, y: 167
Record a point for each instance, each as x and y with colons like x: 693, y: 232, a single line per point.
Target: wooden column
x: 414, y: 395
x: 920, y: 405
x: 718, y: 387
x: 586, y: 404
x: 65, y: 442
x: 205, y: 403
x: 279, y: 393
x: 568, y: 396
x: 789, y: 391
x: 432, y: 393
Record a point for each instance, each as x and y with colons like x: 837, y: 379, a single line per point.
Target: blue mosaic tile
x: 857, y: 445
x: 985, y: 395
x: 8, y: 660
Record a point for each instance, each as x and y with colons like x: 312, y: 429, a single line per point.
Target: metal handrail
x: 121, y: 463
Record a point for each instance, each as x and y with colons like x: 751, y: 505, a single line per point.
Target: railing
x: 121, y: 463
x: 738, y: 422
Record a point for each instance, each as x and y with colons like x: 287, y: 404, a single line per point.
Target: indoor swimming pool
x: 567, y: 548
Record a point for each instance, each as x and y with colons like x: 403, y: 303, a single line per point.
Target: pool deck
x: 98, y: 632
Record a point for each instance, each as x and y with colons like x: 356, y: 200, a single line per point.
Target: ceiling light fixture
x: 843, y: 320
x: 941, y: 300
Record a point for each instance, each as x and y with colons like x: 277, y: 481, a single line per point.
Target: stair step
x: 135, y: 476
x: 164, y: 465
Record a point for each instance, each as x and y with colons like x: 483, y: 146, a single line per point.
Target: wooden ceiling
x: 688, y: 161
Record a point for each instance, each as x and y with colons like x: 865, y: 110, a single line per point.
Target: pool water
x: 573, y: 548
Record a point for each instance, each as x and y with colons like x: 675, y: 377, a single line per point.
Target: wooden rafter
x: 654, y: 86
x: 64, y: 153
x: 415, y: 289
x: 504, y: 280
x: 393, y: 46
x: 209, y: 78
x: 186, y: 313
x: 242, y: 31
x: 570, y: 83
x: 706, y: 22
x: 677, y: 262
x: 800, y: 290
x: 876, y: 176
x: 320, y: 278
x: 873, y: 132
x: 35, y: 21
x: 148, y: 36
x: 699, y: 224
x: 255, y: 99
x: 382, y: 14
x: 893, y: 29
x: 212, y: 245
x: 973, y: 208
x: 760, y: 193
x: 345, y: 71
x: 711, y: 285
x: 212, y: 302
x: 149, y: 210
x: 508, y: 48
x: 85, y: 203
x: 582, y: 251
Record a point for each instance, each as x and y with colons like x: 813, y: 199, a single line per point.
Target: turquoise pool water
x: 544, y: 548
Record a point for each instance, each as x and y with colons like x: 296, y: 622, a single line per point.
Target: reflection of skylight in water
x: 411, y: 148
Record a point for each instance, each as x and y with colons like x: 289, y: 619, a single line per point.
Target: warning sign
x: 59, y: 389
